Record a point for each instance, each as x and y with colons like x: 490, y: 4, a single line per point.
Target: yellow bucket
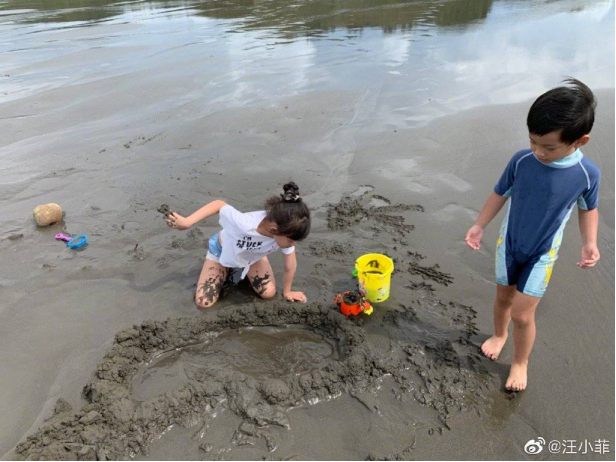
x: 374, y: 276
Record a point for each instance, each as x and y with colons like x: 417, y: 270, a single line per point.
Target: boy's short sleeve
x: 589, y: 199
x: 503, y: 187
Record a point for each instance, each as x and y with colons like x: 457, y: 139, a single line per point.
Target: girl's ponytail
x: 291, y: 193
x: 289, y: 212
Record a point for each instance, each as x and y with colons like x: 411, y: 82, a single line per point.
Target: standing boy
x: 544, y: 183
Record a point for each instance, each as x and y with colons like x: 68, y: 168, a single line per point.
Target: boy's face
x: 549, y: 148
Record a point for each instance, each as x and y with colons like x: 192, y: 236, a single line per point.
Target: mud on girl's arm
x: 290, y: 266
x: 177, y: 221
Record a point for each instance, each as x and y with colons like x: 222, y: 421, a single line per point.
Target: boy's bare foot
x: 492, y: 347
x: 517, y: 377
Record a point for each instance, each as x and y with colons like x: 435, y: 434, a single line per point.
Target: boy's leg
x: 210, y: 283
x: 262, y: 278
x: 492, y: 347
x: 523, y: 317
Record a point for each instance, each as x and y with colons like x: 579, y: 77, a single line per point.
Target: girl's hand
x: 295, y: 296
x: 590, y: 256
x: 473, y: 237
x: 177, y: 221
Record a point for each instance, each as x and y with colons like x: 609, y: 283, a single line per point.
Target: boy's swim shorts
x: 532, y: 276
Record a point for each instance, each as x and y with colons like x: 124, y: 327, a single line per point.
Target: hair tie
x: 291, y: 197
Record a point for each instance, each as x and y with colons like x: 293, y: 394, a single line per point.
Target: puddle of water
x: 259, y: 352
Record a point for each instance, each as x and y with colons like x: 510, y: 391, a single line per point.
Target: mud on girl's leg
x: 210, y: 284
x: 261, y: 277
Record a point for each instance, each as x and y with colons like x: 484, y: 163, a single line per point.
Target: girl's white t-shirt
x: 242, y: 245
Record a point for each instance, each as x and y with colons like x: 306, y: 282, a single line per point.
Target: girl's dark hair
x: 570, y: 110
x: 289, y: 212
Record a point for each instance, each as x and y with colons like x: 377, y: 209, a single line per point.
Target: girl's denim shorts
x: 214, y: 248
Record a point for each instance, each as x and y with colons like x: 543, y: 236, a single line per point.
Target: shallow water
x: 416, y: 60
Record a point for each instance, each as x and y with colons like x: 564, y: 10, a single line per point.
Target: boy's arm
x: 589, y: 225
x: 177, y: 221
x: 290, y: 265
x: 491, y: 208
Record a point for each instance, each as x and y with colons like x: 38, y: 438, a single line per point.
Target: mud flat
x: 424, y: 346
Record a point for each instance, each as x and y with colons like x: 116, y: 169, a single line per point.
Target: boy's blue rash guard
x: 542, y: 197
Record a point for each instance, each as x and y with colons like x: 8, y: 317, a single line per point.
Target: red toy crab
x: 353, y: 303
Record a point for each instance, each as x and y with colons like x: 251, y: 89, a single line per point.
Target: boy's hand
x: 177, y: 221
x: 295, y: 296
x: 473, y: 237
x: 590, y: 256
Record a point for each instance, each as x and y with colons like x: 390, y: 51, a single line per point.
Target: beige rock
x: 47, y: 214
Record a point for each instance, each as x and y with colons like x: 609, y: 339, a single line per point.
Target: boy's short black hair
x: 570, y: 110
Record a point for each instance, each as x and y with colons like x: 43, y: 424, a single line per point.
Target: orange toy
x: 352, y: 303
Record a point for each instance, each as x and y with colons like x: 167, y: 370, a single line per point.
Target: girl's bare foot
x: 492, y: 347
x: 517, y: 377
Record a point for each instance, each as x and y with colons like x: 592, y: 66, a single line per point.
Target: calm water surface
x: 415, y: 60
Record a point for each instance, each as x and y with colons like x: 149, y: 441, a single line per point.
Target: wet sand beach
x: 395, y: 120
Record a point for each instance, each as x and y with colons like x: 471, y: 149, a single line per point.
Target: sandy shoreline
x: 59, y: 325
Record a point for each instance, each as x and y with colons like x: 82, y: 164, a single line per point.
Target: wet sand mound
x: 116, y: 425
x: 373, y: 210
